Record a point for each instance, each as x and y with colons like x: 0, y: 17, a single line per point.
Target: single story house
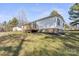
x: 53, y: 23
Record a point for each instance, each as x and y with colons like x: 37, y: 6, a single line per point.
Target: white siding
x: 61, y: 26
x: 49, y: 23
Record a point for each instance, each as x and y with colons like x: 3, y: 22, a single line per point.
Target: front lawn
x: 39, y: 44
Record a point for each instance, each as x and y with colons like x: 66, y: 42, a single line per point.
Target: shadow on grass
x: 16, y: 53
x: 72, y: 38
x: 66, y: 37
x: 14, y: 50
x: 70, y: 41
x: 10, y: 49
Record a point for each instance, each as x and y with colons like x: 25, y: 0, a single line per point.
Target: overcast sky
x: 33, y: 11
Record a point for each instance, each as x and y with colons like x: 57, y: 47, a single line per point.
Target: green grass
x: 39, y: 44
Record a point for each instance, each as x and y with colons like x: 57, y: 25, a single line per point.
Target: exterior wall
x: 77, y: 26
x: 31, y: 27
x: 50, y: 30
x: 34, y: 25
x: 27, y: 27
x: 17, y: 29
x: 47, y: 23
x: 61, y: 26
x: 50, y: 23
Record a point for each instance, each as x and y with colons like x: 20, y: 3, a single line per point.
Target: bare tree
x: 22, y: 18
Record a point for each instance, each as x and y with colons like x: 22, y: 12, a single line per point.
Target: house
x: 75, y: 27
x: 17, y: 29
x: 54, y: 23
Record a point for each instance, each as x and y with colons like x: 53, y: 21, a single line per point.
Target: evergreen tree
x: 74, y: 14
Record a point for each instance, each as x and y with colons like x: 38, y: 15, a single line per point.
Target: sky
x: 33, y: 11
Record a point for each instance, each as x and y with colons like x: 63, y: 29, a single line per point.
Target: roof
x: 46, y: 18
x: 53, y: 14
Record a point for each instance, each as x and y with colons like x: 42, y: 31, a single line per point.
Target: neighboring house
x: 53, y: 24
x: 17, y: 29
x: 76, y: 27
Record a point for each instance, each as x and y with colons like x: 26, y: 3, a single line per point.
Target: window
x: 58, y: 21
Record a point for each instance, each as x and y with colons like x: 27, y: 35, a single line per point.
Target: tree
x: 74, y: 14
x: 22, y: 18
x: 4, y: 23
x: 55, y: 13
x: 13, y: 22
